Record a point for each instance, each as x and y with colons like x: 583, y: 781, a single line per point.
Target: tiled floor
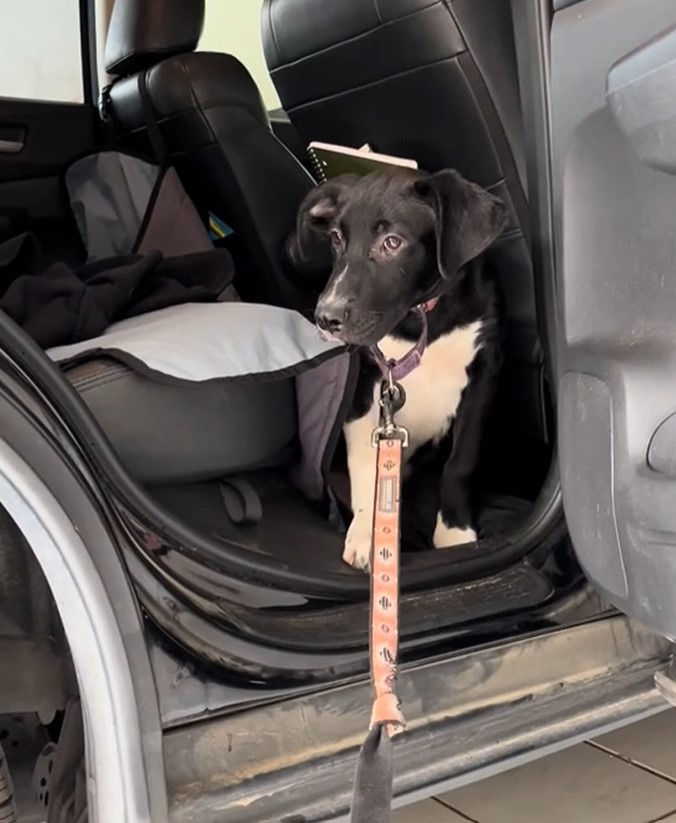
x: 628, y: 776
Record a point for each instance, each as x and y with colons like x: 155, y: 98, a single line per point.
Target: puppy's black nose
x: 332, y: 316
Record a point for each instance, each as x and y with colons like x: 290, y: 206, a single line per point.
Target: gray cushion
x: 204, y: 341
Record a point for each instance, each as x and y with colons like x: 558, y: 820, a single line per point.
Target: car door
x: 612, y: 130
x: 48, y: 116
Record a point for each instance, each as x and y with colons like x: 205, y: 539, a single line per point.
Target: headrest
x: 144, y: 32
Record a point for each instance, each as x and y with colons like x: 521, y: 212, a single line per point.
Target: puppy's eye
x: 336, y: 239
x: 392, y: 242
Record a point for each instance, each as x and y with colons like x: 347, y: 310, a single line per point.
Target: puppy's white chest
x: 433, y: 390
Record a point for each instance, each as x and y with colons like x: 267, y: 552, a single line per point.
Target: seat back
x: 431, y: 80
x: 205, y: 114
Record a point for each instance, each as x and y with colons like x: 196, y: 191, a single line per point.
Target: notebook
x: 329, y: 161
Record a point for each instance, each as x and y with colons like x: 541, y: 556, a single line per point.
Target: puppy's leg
x: 361, y: 463
x: 454, y: 521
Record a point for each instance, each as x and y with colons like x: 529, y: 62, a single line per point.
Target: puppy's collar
x: 396, y: 370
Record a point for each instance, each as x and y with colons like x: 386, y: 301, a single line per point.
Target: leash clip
x: 392, y: 399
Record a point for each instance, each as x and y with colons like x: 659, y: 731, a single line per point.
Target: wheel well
x: 36, y: 674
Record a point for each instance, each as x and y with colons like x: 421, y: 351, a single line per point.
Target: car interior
x: 425, y: 79
x: 195, y: 544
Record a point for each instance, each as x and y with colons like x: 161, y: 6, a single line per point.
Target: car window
x: 235, y: 28
x: 40, y: 52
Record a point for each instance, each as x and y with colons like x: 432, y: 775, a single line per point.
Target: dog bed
x: 203, y: 391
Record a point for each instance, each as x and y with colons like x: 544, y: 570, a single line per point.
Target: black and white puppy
x: 392, y: 239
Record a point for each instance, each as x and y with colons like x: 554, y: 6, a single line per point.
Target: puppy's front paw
x: 357, y: 551
x: 447, y: 536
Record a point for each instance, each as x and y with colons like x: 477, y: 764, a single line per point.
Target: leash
x: 372, y: 798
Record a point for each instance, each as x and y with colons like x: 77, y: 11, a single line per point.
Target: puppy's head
x: 389, y: 236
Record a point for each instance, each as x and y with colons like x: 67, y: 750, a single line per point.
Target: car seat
x: 203, y: 112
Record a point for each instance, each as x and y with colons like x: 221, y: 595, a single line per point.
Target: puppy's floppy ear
x: 468, y: 218
x: 308, y: 246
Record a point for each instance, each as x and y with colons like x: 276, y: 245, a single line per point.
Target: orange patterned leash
x: 373, y: 783
x: 385, y: 586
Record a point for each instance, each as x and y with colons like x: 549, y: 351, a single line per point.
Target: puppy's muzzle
x: 332, y: 315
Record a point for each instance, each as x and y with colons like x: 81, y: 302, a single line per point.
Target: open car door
x: 613, y: 176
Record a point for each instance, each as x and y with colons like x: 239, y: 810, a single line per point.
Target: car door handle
x: 12, y: 139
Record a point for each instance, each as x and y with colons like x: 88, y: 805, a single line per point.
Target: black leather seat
x: 213, y: 128
x: 431, y: 80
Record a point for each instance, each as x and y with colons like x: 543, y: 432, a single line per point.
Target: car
x: 161, y: 661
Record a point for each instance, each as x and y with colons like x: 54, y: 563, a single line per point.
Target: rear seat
x: 216, y: 133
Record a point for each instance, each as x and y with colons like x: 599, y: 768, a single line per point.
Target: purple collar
x: 397, y: 370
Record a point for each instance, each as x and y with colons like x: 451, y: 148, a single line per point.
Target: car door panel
x: 640, y: 94
x: 614, y: 202
x: 37, y: 141
x: 50, y: 134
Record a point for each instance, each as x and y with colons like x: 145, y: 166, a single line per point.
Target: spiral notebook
x: 329, y: 161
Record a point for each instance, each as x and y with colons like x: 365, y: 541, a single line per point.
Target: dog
x: 399, y: 243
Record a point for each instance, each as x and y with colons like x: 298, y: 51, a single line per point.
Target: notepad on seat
x: 329, y: 161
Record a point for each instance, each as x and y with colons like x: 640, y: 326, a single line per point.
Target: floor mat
x: 292, y: 529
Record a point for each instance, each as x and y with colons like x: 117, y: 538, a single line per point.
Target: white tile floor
x: 628, y: 776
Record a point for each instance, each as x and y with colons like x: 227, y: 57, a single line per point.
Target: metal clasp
x: 392, y: 399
